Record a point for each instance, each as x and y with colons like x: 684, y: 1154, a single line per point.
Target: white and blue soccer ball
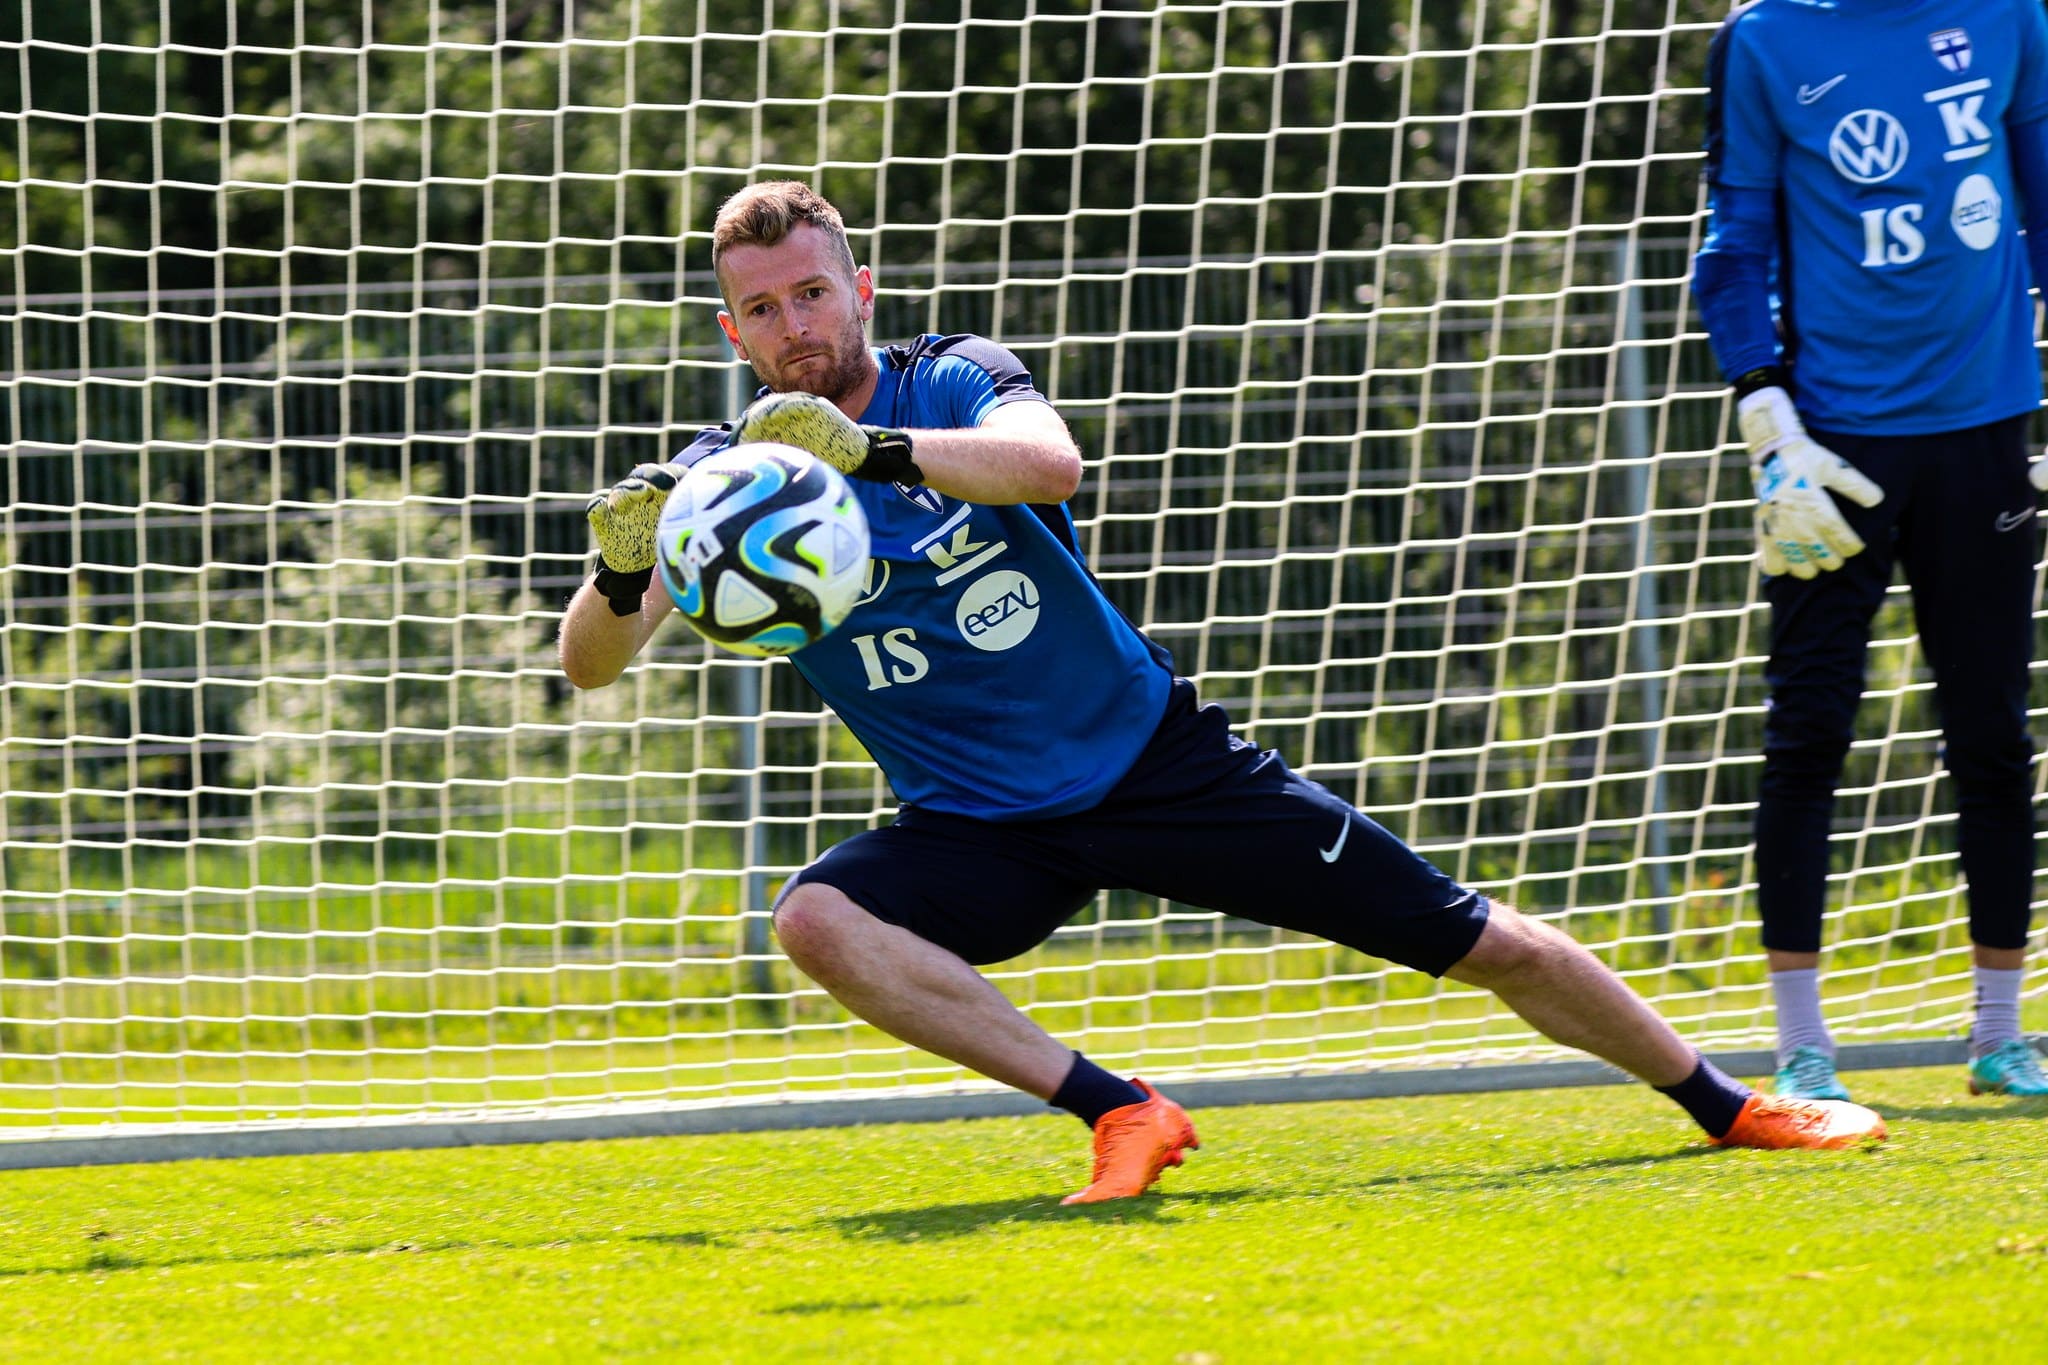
x: 763, y: 548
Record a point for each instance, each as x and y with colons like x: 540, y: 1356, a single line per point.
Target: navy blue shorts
x: 1202, y: 818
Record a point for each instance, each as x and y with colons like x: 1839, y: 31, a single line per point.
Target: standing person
x: 1862, y: 159
x: 1041, y: 746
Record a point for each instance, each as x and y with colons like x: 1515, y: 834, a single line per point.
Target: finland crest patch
x: 922, y: 496
x: 1951, y: 47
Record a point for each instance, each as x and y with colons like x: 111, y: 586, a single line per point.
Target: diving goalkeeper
x: 1041, y: 746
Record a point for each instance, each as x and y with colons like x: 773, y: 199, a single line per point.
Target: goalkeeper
x: 1041, y: 747
x: 1862, y: 165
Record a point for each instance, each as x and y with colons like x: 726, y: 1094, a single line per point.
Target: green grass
x: 1576, y: 1225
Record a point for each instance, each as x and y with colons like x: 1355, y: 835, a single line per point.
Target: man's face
x: 797, y: 317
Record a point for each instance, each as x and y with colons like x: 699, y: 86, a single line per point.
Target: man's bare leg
x: 917, y: 991
x: 930, y: 998
x: 1571, y: 997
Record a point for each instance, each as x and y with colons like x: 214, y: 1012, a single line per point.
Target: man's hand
x: 808, y: 422
x: 624, y: 519
x: 1799, y: 530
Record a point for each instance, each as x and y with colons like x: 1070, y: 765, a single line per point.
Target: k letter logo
x: 1962, y: 119
x: 1868, y: 146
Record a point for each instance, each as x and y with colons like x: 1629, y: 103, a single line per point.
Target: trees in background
x: 293, y: 300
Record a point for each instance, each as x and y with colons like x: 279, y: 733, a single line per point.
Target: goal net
x: 1372, y: 320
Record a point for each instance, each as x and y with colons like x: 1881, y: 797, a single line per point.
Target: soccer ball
x: 763, y: 548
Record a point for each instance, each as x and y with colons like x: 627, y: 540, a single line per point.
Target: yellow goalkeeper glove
x: 808, y: 422
x: 1799, y: 530
x: 623, y: 519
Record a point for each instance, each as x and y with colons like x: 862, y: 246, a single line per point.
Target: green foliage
x: 395, y: 687
x: 66, y: 716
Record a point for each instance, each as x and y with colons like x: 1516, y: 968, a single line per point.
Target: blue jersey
x: 983, y: 669
x: 1885, y: 128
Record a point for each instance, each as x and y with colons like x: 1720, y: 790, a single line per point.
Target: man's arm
x: 2026, y: 130
x: 616, y: 610
x: 2030, y: 177
x: 1732, y: 282
x: 596, y: 644
x: 1799, y: 529
x: 1022, y: 453
x: 1744, y: 173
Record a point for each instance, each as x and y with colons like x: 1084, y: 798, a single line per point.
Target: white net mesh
x: 322, y: 321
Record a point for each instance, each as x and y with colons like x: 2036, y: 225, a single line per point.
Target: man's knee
x: 1807, y: 766
x: 1808, y: 730
x: 814, y: 922
x: 1991, y: 768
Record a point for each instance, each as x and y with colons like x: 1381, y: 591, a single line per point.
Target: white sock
x: 1799, y: 1023
x: 1998, y: 1008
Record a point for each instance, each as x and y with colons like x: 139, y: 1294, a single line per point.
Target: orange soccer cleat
x: 1779, y: 1121
x: 1133, y: 1145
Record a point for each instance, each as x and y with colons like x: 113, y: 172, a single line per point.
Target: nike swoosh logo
x: 1330, y: 853
x: 2012, y: 521
x: 1809, y: 93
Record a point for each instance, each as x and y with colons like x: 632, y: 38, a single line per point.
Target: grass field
x: 1552, y: 1225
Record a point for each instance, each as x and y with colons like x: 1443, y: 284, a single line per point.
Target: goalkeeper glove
x: 1799, y: 529
x: 808, y: 422
x: 623, y: 518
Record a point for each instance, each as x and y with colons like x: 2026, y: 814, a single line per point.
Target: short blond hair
x: 763, y: 214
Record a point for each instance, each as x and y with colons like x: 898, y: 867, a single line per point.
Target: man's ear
x: 864, y: 290
x: 732, y: 334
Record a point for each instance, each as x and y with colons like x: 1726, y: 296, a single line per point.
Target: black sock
x: 1089, y: 1092
x: 1711, y: 1096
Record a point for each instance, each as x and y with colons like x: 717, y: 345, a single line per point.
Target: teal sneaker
x: 2011, y: 1068
x: 1808, y: 1074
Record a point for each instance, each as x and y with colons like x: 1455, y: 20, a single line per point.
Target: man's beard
x: 841, y: 376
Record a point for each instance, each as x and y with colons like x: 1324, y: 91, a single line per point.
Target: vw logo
x: 1868, y: 146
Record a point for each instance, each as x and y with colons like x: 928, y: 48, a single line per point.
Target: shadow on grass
x: 866, y: 1305
x: 676, y: 1239
x: 106, y: 1258
x: 937, y: 1221
x: 1480, y: 1180
x: 1968, y: 1111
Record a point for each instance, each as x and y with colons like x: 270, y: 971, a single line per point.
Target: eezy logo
x: 1978, y: 212
x: 998, y: 610
x: 1868, y: 146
